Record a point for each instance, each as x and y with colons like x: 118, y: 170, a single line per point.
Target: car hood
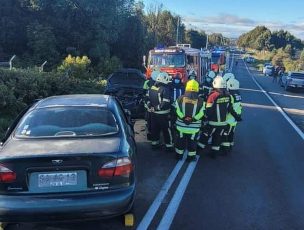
x: 31, y: 147
x: 126, y: 81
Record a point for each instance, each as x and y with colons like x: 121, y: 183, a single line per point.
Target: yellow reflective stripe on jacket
x: 146, y: 86
x: 237, y: 107
x: 187, y: 130
x: 209, y: 105
x: 155, y: 88
x: 178, y: 110
x: 162, y: 111
x: 201, y: 113
x: 215, y: 123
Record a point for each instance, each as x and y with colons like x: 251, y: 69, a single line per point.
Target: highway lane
x: 291, y: 101
x: 260, y: 185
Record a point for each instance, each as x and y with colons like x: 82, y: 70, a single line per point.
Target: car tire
x: 286, y: 87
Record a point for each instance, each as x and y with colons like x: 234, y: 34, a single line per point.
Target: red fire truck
x: 180, y: 59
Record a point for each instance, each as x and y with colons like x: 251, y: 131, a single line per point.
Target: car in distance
x: 250, y: 59
x: 268, y: 70
x: 293, y: 80
x: 127, y: 86
x: 68, y: 158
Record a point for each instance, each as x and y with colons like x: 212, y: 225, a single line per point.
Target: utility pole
x: 177, y: 30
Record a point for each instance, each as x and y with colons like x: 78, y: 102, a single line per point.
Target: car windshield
x: 297, y: 75
x: 68, y: 122
x: 127, y: 79
x: 169, y: 60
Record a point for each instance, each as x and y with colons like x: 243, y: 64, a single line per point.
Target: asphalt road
x: 292, y: 101
x: 259, y: 186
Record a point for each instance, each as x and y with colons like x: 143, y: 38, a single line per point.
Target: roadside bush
x: 18, y: 88
x: 75, y: 66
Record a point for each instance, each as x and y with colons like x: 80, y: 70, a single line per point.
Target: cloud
x: 224, y: 19
x: 233, y: 25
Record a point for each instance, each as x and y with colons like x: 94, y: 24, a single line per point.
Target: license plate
x: 57, y: 179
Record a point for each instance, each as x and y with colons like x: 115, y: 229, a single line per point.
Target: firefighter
x: 192, y: 75
x: 219, y: 104
x: 190, y: 111
x: 233, y: 86
x: 177, y: 89
x: 206, y: 87
x: 159, y: 104
x: 150, y: 81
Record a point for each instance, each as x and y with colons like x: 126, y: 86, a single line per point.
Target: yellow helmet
x: 192, y: 86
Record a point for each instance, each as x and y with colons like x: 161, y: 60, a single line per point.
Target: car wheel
x: 286, y: 87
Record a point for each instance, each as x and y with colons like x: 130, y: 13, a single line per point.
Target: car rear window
x: 297, y: 75
x: 67, y: 121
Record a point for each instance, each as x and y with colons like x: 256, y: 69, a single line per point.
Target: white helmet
x: 154, y: 74
x: 211, y: 74
x: 228, y: 76
x: 219, y: 83
x: 233, y: 84
x: 163, y: 77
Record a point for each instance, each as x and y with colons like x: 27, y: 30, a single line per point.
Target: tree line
x: 111, y: 33
x: 261, y: 38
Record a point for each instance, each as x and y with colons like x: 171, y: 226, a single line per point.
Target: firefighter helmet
x: 228, y: 76
x: 211, y: 74
x: 154, y: 75
x: 192, y: 75
x: 192, y: 86
x: 233, y: 84
x: 163, y: 77
x: 219, y: 83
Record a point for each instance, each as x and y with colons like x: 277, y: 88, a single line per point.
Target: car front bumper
x: 296, y: 86
x: 61, y: 207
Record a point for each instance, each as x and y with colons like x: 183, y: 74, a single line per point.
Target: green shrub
x: 19, y: 88
x: 75, y: 66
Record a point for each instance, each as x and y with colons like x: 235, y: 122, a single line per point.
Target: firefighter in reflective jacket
x: 159, y: 104
x: 190, y: 111
x: 206, y: 87
x: 219, y: 104
x: 150, y: 81
x: 233, y: 86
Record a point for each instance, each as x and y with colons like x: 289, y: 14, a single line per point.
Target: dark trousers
x: 216, y: 132
x: 161, y: 123
x: 185, y: 141
x: 148, y: 124
x: 228, y: 135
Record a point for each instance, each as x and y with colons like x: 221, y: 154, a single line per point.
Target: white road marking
x: 146, y: 221
x: 171, y: 210
x: 272, y: 93
x: 286, y: 95
x: 296, y: 128
x: 253, y: 90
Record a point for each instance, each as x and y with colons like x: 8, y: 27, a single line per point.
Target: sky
x: 234, y: 17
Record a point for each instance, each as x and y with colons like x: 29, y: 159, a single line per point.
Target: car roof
x: 75, y: 100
